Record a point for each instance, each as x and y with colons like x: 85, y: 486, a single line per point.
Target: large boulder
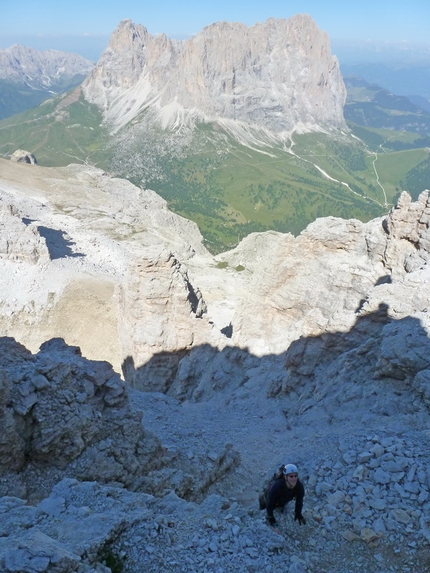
x: 22, y: 156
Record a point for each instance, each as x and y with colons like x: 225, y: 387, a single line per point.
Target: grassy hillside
x: 16, y: 97
x: 60, y: 131
x: 370, y: 105
x: 231, y: 189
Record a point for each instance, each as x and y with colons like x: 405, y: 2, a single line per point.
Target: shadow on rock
x: 377, y: 347
x: 58, y: 243
x: 65, y: 416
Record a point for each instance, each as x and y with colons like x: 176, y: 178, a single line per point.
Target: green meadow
x: 57, y: 134
x: 228, y: 188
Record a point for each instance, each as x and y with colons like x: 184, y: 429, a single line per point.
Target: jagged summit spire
x: 278, y: 75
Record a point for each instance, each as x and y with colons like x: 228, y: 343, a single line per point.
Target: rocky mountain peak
x: 40, y: 68
x: 31, y: 76
x: 277, y: 76
x: 128, y: 36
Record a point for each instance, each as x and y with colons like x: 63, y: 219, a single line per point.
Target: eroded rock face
x: 69, y: 238
x: 408, y: 229
x: 164, y: 318
x: 20, y: 241
x: 110, y: 269
x: 333, y: 272
x: 63, y: 413
x: 278, y: 75
x: 300, y: 304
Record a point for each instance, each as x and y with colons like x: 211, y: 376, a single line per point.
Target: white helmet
x: 290, y: 469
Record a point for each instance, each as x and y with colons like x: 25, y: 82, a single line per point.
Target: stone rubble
x: 367, y: 498
x: 351, y: 504
x: 376, y: 493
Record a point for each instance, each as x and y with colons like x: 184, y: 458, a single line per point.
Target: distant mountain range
x: 239, y: 129
x: 372, y: 106
x: 28, y: 76
x: 407, y: 80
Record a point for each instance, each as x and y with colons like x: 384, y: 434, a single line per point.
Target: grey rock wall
x: 62, y: 413
x: 278, y: 75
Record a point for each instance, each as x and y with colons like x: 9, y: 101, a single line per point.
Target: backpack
x: 278, y: 474
x: 262, y: 499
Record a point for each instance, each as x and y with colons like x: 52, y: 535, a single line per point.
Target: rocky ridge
x: 41, y: 69
x: 272, y: 77
x: 336, y: 283
x: 28, y: 77
x: 324, y: 362
x: 44, y: 295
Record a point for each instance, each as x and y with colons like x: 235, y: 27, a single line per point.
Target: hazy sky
x: 84, y: 26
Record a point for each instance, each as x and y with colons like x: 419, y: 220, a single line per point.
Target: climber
x: 282, y: 490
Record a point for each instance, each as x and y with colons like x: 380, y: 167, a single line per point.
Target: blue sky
x: 84, y: 26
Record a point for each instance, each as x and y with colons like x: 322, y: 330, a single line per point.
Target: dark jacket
x: 279, y: 494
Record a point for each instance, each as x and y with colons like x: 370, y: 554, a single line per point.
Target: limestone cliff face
x: 106, y: 266
x: 334, y: 272
x: 163, y: 319
x: 278, y: 75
